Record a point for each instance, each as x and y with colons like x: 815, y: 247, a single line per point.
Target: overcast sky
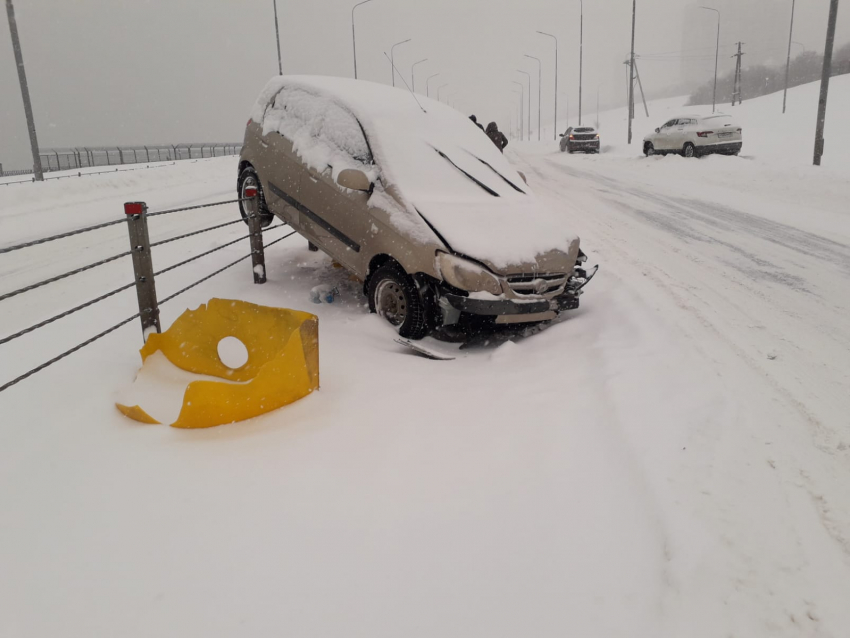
x: 166, y: 71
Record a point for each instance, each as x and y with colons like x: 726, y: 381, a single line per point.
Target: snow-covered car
x: 580, y: 138
x: 696, y: 135
x: 411, y: 197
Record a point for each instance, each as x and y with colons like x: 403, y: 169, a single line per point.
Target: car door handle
x: 313, y: 179
x: 263, y: 144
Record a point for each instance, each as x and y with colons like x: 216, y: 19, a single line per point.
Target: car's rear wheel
x: 648, y: 149
x: 690, y: 150
x: 394, y: 296
x: 248, y: 179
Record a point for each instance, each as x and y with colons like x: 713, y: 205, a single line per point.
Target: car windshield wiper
x: 479, y: 182
x: 505, y: 179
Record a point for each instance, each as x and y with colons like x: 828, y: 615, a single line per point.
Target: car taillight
x: 597, y: 136
x: 249, y: 123
x: 740, y: 130
x: 704, y: 133
x: 572, y: 137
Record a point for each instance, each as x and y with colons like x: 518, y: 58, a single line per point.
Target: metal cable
x: 185, y: 208
x: 67, y: 352
x: 204, y: 254
x: 197, y: 232
x: 190, y: 286
x: 61, y: 235
x: 63, y: 276
x: 65, y: 314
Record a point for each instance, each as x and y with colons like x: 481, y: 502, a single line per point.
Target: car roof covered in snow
x: 442, y: 167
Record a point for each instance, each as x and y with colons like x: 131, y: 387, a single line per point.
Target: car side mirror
x: 561, y: 134
x: 521, y: 174
x: 658, y: 130
x: 353, y: 179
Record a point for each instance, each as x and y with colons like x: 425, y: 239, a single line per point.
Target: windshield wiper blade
x: 509, y: 182
x: 479, y: 182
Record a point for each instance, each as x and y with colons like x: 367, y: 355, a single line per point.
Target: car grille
x: 526, y: 284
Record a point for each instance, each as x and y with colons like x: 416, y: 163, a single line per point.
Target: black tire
x: 649, y: 149
x: 247, y: 177
x: 394, y: 296
x: 689, y: 150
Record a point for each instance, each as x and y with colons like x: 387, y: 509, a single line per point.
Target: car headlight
x: 467, y: 275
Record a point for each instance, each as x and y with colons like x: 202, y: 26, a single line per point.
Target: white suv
x: 694, y: 135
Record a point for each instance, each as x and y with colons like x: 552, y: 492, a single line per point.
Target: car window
x: 669, y: 124
x: 295, y: 112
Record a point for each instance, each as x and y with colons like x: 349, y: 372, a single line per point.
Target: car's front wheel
x: 393, y: 295
x: 648, y: 149
x: 248, y: 179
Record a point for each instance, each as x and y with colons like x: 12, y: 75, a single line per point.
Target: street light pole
x: 555, y: 132
x: 539, y: 90
x: 716, y: 58
x: 25, y: 92
x: 580, y: 60
x: 354, y: 35
x: 413, y: 73
x: 632, y: 72
x: 392, y: 56
x: 442, y: 86
x: 427, y: 83
x: 521, y: 105
x: 528, y: 127
x: 788, y: 62
x: 824, y: 82
x: 277, y: 35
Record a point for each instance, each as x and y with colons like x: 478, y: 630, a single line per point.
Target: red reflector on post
x: 133, y: 208
x: 250, y: 192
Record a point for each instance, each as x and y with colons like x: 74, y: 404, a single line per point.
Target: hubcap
x: 390, y: 302
x: 689, y: 151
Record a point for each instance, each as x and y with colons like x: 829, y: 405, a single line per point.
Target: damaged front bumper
x: 528, y: 309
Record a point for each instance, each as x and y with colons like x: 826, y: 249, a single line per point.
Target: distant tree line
x: 763, y: 80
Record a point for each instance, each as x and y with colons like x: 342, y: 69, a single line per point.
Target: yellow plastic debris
x: 282, y: 366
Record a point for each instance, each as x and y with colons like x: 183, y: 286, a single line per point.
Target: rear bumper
x: 726, y: 148
x: 578, y: 145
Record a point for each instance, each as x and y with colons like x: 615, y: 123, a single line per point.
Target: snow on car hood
x: 444, y: 168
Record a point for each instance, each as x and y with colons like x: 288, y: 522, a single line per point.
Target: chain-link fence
x: 63, y: 159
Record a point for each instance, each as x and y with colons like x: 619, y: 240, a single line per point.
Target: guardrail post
x: 140, y: 245
x: 258, y: 256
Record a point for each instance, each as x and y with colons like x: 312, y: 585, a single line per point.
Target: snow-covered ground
x: 671, y: 460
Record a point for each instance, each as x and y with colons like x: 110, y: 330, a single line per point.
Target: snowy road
x: 673, y: 459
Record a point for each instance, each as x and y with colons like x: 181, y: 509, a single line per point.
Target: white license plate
x: 724, y: 135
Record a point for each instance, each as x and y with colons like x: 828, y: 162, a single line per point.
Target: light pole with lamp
x: 528, y: 127
x: 716, y: 58
x: 354, y: 35
x: 427, y: 84
x: 539, y: 90
x: 413, y: 73
x: 392, y: 55
x: 521, y: 104
x: 555, y: 132
x: 788, y: 63
x: 277, y: 35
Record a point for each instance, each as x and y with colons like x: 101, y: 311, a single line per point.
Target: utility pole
x: 25, y: 92
x: 428, y: 84
x: 736, y: 95
x: 354, y: 35
x: 640, y: 85
x: 277, y: 35
x: 632, y: 72
x: 788, y: 62
x: 824, y: 83
x: 413, y: 74
x: 597, y: 108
